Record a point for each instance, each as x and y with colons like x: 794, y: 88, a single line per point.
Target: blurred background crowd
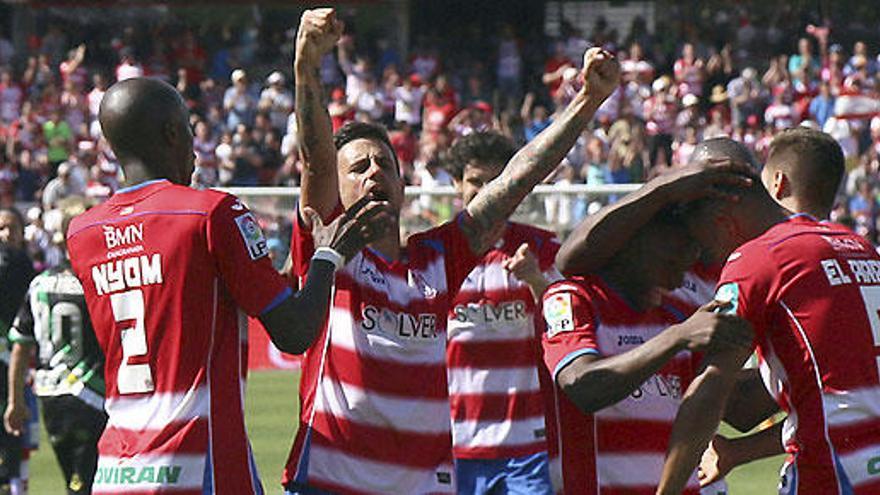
x: 691, y: 71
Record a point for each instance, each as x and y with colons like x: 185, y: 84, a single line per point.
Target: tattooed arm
x: 318, y: 32
x: 496, y: 202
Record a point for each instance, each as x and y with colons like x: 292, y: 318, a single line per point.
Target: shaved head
x: 720, y: 225
x: 147, y: 124
x: 723, y: 147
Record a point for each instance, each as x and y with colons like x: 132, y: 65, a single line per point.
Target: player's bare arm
x: 497, y: 201
x: 698, y: 417
x: 366, y: 221
x: 724, y: 454
x: 317, y: 34
x: 598, y: 237
x: 16, y: 415
x: 593, y: 383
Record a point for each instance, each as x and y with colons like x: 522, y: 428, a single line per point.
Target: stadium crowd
x: 243, y: 121
x: 607, y: 115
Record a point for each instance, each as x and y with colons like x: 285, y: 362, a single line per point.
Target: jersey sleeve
x: 746, y: 283
x: 238, y: 245
x: 549, y: 246
x: 546, y: 250
x: 461, y: 259
x: 22, y: 330
x: 570, y: 326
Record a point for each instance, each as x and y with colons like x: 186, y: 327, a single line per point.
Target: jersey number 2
x: 128, y: 311
x: 871, y: 297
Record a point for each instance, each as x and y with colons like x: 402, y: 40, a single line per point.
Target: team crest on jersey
x: 728, y: 294
x: 558, y: 314
x: 253, y: 236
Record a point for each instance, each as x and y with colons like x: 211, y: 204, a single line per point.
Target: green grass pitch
x: 271, y: 409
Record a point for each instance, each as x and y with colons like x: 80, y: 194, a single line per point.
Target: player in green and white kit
x: 69, y: 379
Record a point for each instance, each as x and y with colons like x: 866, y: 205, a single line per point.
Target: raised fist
x: 523, y: 264
x: 318, y: 32
x: 601, y: 73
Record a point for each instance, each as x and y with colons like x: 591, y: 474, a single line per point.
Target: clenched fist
x: 524, y: 265
x: 318, y: 32
x: 601, y: 73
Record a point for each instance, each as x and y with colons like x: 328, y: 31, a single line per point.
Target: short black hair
x: 19, y: 218
x: 487, y: 147
x: 814, y: 162
x: 363, y: 130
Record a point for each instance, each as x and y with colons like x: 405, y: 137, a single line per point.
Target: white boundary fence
x: 555, y: 206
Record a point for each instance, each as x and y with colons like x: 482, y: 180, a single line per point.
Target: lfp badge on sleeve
x: 253, y: 236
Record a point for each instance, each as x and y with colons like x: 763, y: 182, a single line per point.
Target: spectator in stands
x: 72, y: 69
x: 743, y: 92
x: 407, y: 101
x: 61, y: 187
x: 277, y: 100
x: 689, y: 72
x: 556, y: 65
x: 535, y: 117
x: 860, y: 50
x: 190, y: 57
x: 238, y: 101
x: 660, y: 112
x: 509, y: 70
x: 128, y: 65
x: 11, y: 98
x: 822, y: 106
x: 59, y: 138
x: 864, y: 208
x: 803, y: 66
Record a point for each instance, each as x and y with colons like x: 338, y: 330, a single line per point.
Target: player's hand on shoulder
x: 601, y: 73
x: 318, y: 32
x: 366, y: 221
x: 706, y: 178
x: 710, y: 329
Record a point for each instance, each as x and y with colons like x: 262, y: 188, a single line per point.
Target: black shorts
x: 74, y: 428
x: 10, y: 458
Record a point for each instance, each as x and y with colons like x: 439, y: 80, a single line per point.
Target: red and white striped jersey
x: 621, y: 448
x: 493, y: 354
x: 697, y: 288
x: 812, y: 292
x: 165, y: 270
x: 374, y: 415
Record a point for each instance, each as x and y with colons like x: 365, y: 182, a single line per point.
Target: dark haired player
x: 498, y: 427
x: 16, y: 272
x: 168, y: 274
x: 812, y: 292
x: 621, y: 352
x: 375, y: 408
x: 69, y: 380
